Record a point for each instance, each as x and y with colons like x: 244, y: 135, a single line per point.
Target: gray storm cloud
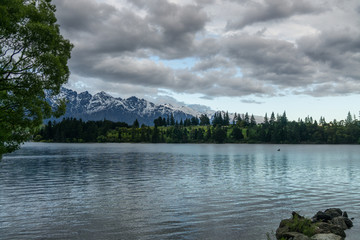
x: 269, y: 10
x: 129, y: 43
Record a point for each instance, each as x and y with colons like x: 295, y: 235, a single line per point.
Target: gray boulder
x: 295, y: 236
x: 330, y: 228
x: 348, y: 222
x: 326, y: 236
x: 321, y: 216
x: 339, y: 221
x: 334, y: 212
x: 327, y: 225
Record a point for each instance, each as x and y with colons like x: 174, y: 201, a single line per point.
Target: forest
x: 241, y: 129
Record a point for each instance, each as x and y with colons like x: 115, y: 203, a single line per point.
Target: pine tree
x: 349, y: 119
x: 219, y: 135
x: 172, y: 119
x: 226, y: 120
x: 237, y: 133
x: 235, y: 118
x: 247, y: 119
x: 208, y: 135
x: 204, y: 120
x: 168, y: 120
x: 136, y: 124
x: 272, y: 118
x: 218, y: 120
x: 155, y: 135
x: 252, y: 121
x: 266, y: 119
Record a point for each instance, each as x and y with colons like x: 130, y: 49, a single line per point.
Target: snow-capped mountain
x: 103, y: 106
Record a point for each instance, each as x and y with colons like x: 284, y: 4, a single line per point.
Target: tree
x: 195, y: 121
x: 266, y: 120
x: 219, y: 135
x: 234, y: 119
x: 237, y: 133
x: 33, y: 59
x: 160, y: 121
x: 252, y: 120
x: 272, y: 119
x: 247, y: 119
x: 322, y: 121
x: 156, y: 135
x: 218, y: 119
x: 168, y: 120
x: 208, y: 134
x: 136, y: 124
x: 204, y: 120
x: 172, y: 119
x: 349, y: 119
x: 226, y: 120
x: 240, y: 122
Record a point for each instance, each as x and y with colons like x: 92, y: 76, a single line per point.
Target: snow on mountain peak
x: 104, y: 106
x: 103, y: 95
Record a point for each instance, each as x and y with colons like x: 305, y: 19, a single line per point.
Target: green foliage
x: 33, y: 58
x: 278, y: 130
x: 219, y: 134
x: 73, y: 130
x: 136, y: 124
x: 221, y: 119
x: 301, y: 225
x: 37, y: 138
x: 204, y: 120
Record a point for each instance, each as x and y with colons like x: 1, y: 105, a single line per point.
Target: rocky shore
x: 328, y: 225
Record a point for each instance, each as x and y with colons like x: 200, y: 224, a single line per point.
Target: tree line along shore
x: 242, y: 129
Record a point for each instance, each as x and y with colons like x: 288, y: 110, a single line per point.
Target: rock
x: 334, y: 212
x: 321, y: 216
x: 329, y: 228
x: 327, y: 225
x: 295, y: 236
x: 339, y: 221
x: 295, y: 214
x: 326, y: 236
x: 301, y: 237
x: 283, y: 228
x: 348, y: 222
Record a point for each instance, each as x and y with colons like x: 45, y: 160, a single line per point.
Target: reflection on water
x: 146, y: 191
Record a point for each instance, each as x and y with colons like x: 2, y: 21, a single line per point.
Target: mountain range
x: 102, y: 106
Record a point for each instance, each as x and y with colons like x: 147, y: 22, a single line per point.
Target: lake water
x: 169, y: 191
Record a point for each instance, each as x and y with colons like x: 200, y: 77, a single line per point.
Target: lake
x: 170, y: 191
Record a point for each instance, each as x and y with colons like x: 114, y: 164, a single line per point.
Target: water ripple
x: 145, y: 191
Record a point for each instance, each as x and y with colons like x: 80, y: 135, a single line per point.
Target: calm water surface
x: 147, y: 191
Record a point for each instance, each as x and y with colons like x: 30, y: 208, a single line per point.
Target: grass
x: 302, y: 225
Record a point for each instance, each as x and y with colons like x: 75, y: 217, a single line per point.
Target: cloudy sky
x: 256, y: 56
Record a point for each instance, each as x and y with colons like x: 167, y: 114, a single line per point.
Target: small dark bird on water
x: 279, y: 150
